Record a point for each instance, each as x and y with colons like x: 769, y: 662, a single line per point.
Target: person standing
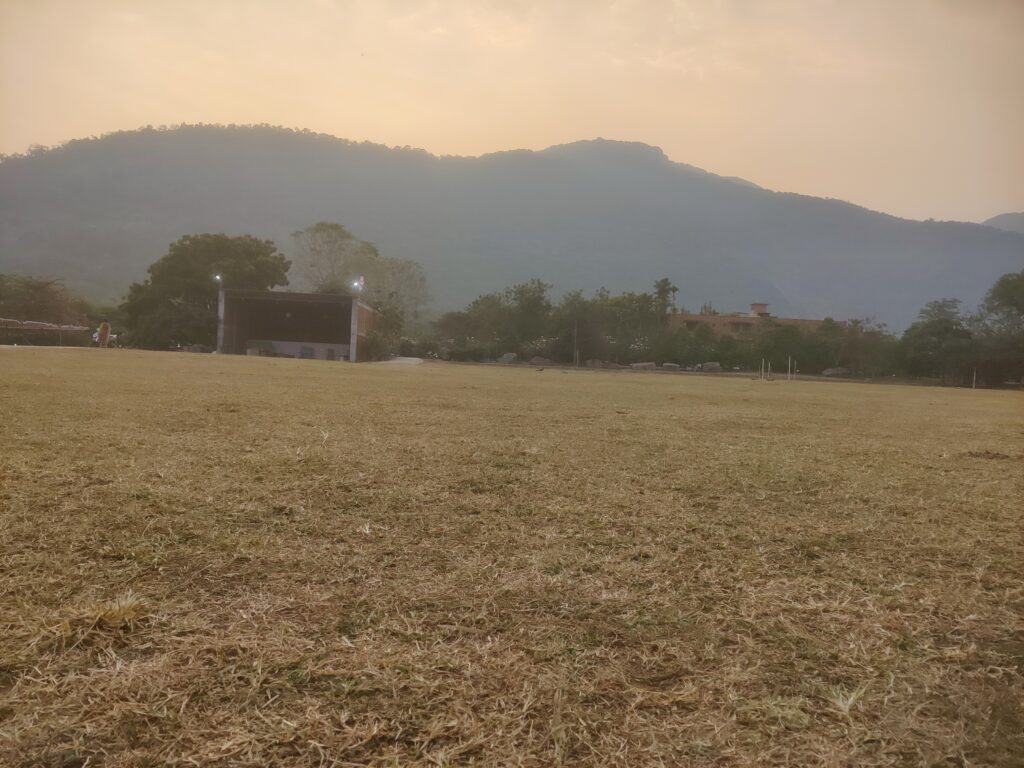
x: 103, y: 334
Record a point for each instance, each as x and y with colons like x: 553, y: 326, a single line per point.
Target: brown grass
x: 241, y: 561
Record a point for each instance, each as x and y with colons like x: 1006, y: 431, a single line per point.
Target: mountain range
x: 1011, y: 222
x: 96, y: 212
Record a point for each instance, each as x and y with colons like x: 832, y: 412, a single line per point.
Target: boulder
x: 669, y: 367
x: 711, y: 367
x: 644, y: 366
x: 594, y: 363
x: 508, y: 358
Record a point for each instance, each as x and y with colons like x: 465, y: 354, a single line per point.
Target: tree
x: 177, y: 303
x: 46, y: 300
x: 385, y: 336
x: 999, y: 329
x: 665, y: 294
x: 530, y: 310
x: 331, y: 258
x: 777, y: 344
x: 398, y: 283
x: 867, y: 347
x: 1007, y: 295
x: 34, y: 298
x: 939, y: 344
x: 941, y: 310
x: 578, y: 325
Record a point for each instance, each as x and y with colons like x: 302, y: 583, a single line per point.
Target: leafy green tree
x: 48, y: 301
x: 941, y: 310
x: 453, y: 328
x: 999, y: 329
x: 35, y: 298
x: 1007, y: 296
x: 634, y: 323
x: 385, y: 336
x: 529, y: 310
x: 665, y: 294
x: 581, y: 324
x: 939, y: 344
x: 867, y: 348
x: 777, y: 344
x: 177, y: 303
x: 331, y: 258
x: 479, y: 332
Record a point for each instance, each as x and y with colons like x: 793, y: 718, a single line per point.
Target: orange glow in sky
x: 913, y: 107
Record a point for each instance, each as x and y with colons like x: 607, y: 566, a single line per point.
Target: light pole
x: 220, y: 312
x: 357, y: 289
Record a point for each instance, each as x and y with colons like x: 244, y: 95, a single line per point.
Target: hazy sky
x: 915, y: 107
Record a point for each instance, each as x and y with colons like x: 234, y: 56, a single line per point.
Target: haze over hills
x: 596, y: 213
x: 1011, y: 222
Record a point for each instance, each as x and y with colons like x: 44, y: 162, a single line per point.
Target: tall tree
x: 330, y: 258
x: 177, y: 303
x: 999, y: 328
x: 665, y: 294
x: 530, y: 309
x: 1006, y: 298
x: 939, y: 344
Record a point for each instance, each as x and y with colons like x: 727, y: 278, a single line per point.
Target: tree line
x: 176, y: 305
x: 945, y: 343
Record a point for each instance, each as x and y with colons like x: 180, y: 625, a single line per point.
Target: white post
x: 220, y: 321
x: 974, y: 381
x: 769, y: 370
x: 354, y: 330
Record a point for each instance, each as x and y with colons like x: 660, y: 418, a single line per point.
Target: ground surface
x: 239, y: 561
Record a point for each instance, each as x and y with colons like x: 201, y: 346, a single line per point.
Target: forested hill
x: 1011, y: 222
x: 97, y: 212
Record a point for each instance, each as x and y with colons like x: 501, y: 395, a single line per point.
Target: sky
x: 912, y: 107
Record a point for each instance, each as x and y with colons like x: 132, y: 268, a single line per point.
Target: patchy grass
x: 243, y: 561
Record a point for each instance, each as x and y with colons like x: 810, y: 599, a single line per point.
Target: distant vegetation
x: 329, y: 257
x: 33, y: 298
x: 97, y: 212
x: 48, y: 301
x: 177, y: 303
x: 944, y: 343
x: 1011, y: 222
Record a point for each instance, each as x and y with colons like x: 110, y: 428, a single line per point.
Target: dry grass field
x: 257, y: 562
